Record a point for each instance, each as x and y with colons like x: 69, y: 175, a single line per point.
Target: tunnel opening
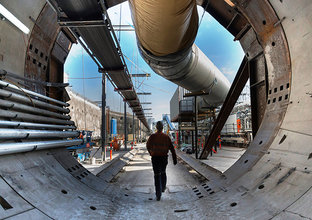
x: 236, y: 132
x: 282, y: 167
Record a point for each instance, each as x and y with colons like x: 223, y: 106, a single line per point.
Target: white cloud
x: 75, y: 51
x: 66, y: 75
x: 228, y: 71
x: 114, y: 14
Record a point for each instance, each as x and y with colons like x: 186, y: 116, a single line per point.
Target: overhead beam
x: 237, y: 87
x: 131, y: 100
x: 70, y: 23
x: 123, y: 27
x: 111, y: 70
x: 123, y: 90
x: 141, y: 75
x: 144, y: 93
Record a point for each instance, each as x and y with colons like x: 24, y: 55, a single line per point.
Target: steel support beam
x: 179, y: 132
x: 196, y: 129
x: 141, y: 75
x: 193, y: 146
x: 123, y: 90
x: 125, y: 124
x: 237, y: 86
x: 144, y: 93
x: 133, y: 129
x: 103, y: 126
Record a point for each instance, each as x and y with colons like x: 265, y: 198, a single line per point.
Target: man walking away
x: 158, y: 146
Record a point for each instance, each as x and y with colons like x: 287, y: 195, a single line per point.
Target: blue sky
x: 212, y: 39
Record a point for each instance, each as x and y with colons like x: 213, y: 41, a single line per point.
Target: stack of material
x: 31, y: 121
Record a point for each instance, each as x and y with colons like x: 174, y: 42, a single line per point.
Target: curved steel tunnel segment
x: 272, y: 180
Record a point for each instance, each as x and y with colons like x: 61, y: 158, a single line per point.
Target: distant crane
x: 168, y: 122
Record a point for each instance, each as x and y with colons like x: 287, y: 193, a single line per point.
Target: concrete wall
x: 88, y: 116
x: 85, y: 114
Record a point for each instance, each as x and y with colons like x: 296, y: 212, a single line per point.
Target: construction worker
x: 115, y: 144
x: 158, y: 146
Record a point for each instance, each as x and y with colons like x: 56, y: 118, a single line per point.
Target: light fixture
x: 8, y: 15
x: 230, y: 3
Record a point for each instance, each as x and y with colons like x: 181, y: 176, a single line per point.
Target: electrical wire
x: 203, y: 13
x: 96, y: 77
x: 135, y: 64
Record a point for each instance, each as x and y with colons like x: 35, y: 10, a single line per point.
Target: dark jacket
x: 159, y: 144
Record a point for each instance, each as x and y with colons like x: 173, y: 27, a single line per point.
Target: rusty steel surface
x: 39, y: 48
x: 227, y: 16
x: 258, y: 91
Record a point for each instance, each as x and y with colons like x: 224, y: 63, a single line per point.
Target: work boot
x: 158, y: 198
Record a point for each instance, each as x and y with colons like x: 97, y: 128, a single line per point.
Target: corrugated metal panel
x: 174, y: 105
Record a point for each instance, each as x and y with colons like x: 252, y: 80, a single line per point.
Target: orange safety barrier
x: 219, y: 141
x: 238, y: 121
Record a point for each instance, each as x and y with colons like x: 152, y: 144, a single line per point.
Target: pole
x: 193, y: 147
x: 103, y: 126
x: 179, y: 133
x: 196, y: 134
x: 140, y: 131
x: 133, y: 129
x: 125, y: 124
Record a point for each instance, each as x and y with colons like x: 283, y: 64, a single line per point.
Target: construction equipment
x: 82, y: 152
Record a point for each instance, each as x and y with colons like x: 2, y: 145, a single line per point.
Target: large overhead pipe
x: 25, y: 134
x: 166, y: 31
x: 12, y: 148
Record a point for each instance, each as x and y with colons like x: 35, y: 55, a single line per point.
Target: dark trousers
x: 159, y: 167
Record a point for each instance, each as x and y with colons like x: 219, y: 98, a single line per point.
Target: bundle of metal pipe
x: 28, y: 115
x: 23, y: 99
x: 13, y: 148
x: 17, y: 124
x: 31, y: 134
x: 17, y: 89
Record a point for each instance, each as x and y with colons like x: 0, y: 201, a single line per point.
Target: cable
x: 95, y: 77
x: 203, y: 13
x: 135, y: 64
